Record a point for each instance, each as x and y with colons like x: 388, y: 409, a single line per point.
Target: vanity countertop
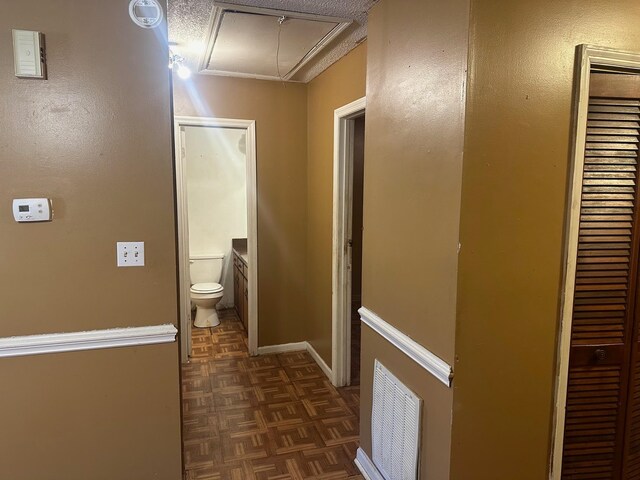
x: 239, y: 246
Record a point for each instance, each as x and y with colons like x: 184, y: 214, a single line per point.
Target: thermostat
x: 32, y: 209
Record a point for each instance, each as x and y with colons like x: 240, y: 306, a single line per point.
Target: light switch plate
x: 28, y: 54
x: 130, y: 254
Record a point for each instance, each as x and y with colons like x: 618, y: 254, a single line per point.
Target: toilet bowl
x: 205, y: 296
x: 205, y: 271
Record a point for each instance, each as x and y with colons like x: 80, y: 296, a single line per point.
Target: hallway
x: 268, y: 417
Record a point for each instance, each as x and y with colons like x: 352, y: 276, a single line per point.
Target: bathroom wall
x: 96, y: 138
x: 280, y: 112
x: 216, y: 173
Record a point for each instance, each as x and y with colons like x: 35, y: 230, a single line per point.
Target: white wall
x: 216, y: 194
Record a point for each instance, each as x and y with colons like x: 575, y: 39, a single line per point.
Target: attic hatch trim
x: 215, y: 22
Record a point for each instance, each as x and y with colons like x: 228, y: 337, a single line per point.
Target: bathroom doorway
x: 349, y: 123
x: 216, y: 185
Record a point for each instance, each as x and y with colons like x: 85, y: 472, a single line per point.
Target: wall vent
x: 395, y: 426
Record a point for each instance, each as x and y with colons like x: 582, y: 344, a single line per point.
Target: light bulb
x: 184, y: 72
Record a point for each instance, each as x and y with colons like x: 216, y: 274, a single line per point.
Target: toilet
x: 206, y: 292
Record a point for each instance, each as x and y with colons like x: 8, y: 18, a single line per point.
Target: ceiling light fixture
x: 176, y: 63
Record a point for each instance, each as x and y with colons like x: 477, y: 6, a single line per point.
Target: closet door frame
x: 588, y: 58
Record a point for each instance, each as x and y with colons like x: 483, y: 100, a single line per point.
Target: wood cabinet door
x: 236, y: 288
x: 244, y: 301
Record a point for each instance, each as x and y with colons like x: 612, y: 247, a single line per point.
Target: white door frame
x: 588, y: 58
x: 343, y: 130
x: 183, y: 226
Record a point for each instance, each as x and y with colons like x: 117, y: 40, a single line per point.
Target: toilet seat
x: 204, y: 288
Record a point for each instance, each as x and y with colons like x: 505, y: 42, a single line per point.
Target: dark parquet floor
x: 272, y: 417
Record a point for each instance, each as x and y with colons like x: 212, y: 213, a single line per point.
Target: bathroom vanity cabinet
x: 241, y: 287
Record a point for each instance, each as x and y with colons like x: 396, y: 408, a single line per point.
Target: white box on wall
x: 29, y: 54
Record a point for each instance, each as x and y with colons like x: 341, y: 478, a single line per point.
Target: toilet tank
x: 206, y: 268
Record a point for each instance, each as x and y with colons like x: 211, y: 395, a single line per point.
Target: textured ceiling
x: 189, y: 21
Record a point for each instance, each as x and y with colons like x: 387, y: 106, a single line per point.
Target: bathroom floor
x: 272, y: 417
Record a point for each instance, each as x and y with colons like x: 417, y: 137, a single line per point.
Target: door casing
x: 183, y: 226
x: 588, y: 58
x: 343, y: 137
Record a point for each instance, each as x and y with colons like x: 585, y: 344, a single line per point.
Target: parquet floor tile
x: 279, y: 414
x: 335, y: 431
x: 303, y: 372
x: 196, y: 403
x: 263, y: 362
x: 295, y: 358
x: 200, y: 427
x: 245, y: 446
x: 220, y: 381
x: 295, y: 438
x: 268, y: 376
x: 234, y: 397
x: 220, y: 365
x: 241, y: 420
x: 271, y: 417
x: 326, y: 407
x: 314, y: 388
x: 327, y: 463
x: 275, y: 393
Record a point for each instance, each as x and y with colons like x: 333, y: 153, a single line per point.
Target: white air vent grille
x: 395, y: 426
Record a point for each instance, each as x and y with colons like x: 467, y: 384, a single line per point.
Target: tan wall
x: 514, y: 189
x: 96, y: 139
x: 337, y: 86
x: 280, y: 112
x: 435, y: 437
x: 414, y: 138
x: 416, y: 72
x: 96, y: 415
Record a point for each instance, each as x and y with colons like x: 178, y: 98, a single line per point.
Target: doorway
x: 349, y: 126
x: 598, y: 389
x: 189, y: 129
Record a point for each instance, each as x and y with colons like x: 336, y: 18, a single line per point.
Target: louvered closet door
x: 598, y: 432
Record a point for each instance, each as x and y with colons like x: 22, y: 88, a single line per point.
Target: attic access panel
x: 256, y: 42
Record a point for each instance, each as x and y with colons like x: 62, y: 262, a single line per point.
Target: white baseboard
x: 320, y: 361
x: 294, y: 347
x: 423, y: 357
x: 91, y: 340
x: 282, y: 348
x: 366, y: 466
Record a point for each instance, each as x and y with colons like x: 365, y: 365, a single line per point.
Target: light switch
x: 130, y: 254
x: 29, y: 54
